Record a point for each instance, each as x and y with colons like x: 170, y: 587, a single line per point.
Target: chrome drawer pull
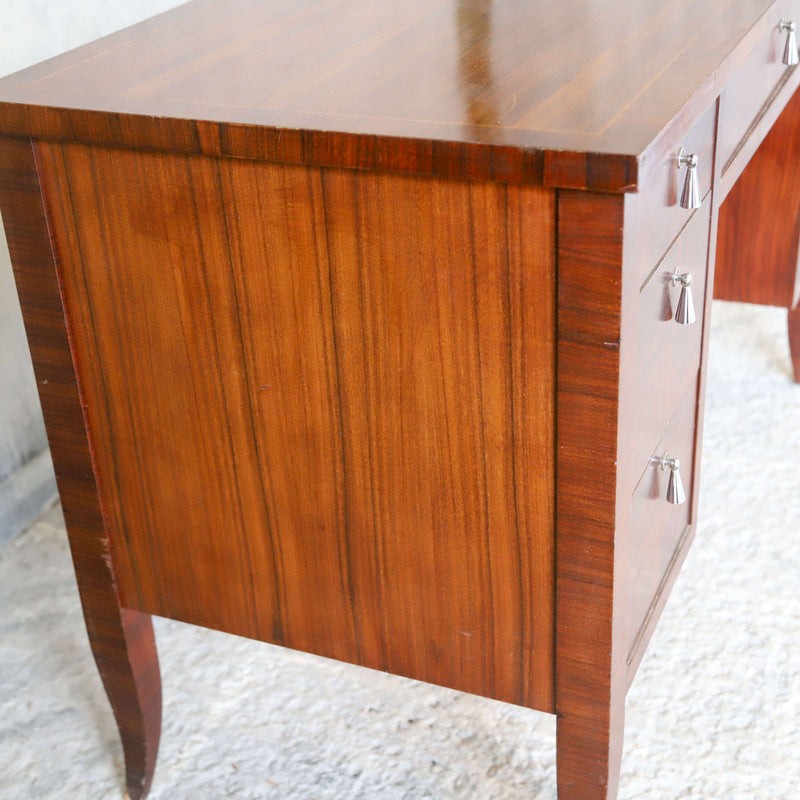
x: 675, y: 493
x: 690, y: 197
x: 790, y: 54
x: 684, y: 311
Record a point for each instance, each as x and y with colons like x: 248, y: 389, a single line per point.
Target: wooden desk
x: 353, y: 325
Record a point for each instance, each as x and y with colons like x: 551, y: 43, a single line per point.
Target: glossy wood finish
x: 658, y: 365
x: 757, y: 82
x: 590, y: 701
x: 667, y: 354
x: 575, y: 94
x: 372, y: 410
x: 759, y: 222
x: 658, y: 528
x: 341, y: 385
x: 121, y: 640
x: 654, y: 215
x: 758, y: 247
x: 619, y: 548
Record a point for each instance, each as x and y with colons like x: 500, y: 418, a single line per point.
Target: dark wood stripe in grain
x: 589, y: 694
x: 493, y: 66
x: 341, y: 385
x: 476, y: 89
x: 515, y: 161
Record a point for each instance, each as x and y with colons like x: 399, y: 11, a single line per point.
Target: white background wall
x: 31, y: 31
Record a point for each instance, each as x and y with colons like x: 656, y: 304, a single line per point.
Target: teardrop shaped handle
x: 790, y: 54
x: 675, y: 492
x: 690, y: 196
x: 684, y: 310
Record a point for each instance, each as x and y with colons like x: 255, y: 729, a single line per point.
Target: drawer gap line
x: 758, y: 117
x: 661, y: 586
x: 669, y: 247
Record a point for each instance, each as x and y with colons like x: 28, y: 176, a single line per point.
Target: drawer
x: 668, y: 353
x: 753, y: 85
x: 657, y: 526
x: 655, y: 213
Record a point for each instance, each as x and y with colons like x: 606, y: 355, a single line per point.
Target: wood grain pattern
x: 759, y: 222
x: 572, y: 94
x: 337, y: 409
x: 589, y: 697
x: 617, y: 549
x: 122, y: 640
x: 658, y: 527
x: 666, y: 545
x: 322, y: 403
x: 667, y: 354
x: 752, y: 86
x: 653, y: 215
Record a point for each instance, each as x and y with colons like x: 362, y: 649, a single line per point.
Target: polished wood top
x: 509, y: 88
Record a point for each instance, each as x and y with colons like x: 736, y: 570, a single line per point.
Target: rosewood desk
x: 378, y: 330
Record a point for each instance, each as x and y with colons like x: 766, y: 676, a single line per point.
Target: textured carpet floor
x: 713, y: 713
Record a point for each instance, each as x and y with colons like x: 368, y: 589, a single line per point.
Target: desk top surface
x: 523, y: 78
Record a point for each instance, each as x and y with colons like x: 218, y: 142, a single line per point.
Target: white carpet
x: 714, y: 713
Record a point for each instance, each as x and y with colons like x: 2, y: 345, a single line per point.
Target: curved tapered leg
x: 794, y: 339
x: 139, y: 716
x: 122, y: 641
x: 125, y: 652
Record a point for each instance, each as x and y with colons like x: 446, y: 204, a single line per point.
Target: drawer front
x: 657, y: 526
x: 655, y: 210
x: 753, y: 84
x: 668, y: 353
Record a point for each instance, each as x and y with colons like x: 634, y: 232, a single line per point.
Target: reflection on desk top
x: 461, y: 88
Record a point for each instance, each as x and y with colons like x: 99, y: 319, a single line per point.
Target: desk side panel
x: 322, y: 405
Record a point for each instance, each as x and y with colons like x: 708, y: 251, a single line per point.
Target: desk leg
x: 794, y: 339
x: 122, y: 641
x: 590, y: 685
x: 124, y: 649
x: 759, y: 227
x: 589, y: 752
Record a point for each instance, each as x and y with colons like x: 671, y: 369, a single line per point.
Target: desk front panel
x: 321, y: 405
x: 667, y: 353
x: 659, y: 528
